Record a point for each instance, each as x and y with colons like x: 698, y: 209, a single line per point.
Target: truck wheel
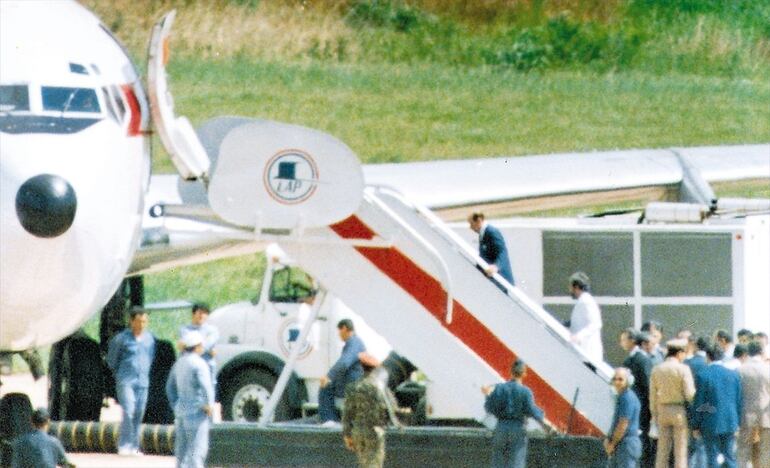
x: 246, y: 395
x: 76, y: 390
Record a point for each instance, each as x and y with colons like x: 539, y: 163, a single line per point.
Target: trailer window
x: 290, y: 284
x: 567, y: 252
x: 14, y: 98
x: 686, y: 264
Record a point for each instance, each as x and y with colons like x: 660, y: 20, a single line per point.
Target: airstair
x: 419, y: 285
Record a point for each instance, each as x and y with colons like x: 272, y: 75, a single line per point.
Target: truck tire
x: 246, y: 394
x: 75, y: 371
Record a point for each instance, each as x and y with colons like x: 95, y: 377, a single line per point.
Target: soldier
x: 369, y: 406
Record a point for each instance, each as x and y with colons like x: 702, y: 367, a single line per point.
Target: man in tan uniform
x: 671, y: 390
x: 754, y: 440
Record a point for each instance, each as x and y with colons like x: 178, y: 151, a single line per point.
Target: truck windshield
x: 66, y: 99
x: 290, y: 284
x: 14, y: 98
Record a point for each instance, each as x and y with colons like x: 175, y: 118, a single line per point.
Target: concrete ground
x: 38, y: 391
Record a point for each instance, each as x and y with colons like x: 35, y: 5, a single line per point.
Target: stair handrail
x: 371, y: 197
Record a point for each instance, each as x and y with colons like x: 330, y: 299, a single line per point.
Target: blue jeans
x: 509, y: 445
x: 191, y: 440
x: 327, y: 410
x: 627, y: 453
x: 720, y: 443
x: 133, y: 400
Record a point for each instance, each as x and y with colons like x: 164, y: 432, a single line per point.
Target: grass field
x: 398, y: 112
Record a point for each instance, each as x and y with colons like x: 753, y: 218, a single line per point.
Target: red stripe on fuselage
x: 466, y: 327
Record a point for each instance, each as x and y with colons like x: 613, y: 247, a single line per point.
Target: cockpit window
x: 14, y: 98
x: 70, y: 99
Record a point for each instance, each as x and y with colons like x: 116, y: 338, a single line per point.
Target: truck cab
x: 257, y: 337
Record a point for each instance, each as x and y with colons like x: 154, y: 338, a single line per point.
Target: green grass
x: 398, y: 112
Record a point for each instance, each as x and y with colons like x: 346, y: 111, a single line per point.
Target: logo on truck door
x: 288, y: 335
x: 291, y: 176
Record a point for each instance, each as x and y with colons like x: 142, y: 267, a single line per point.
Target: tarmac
x: 38, y: 391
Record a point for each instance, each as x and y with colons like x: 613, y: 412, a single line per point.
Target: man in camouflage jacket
x: 369, y: 407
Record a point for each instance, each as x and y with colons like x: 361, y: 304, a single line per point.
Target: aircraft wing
x: 528, y: 183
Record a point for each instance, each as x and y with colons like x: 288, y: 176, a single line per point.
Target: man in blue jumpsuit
x: 130, y: 356
x: 491, y: 247
x: 623, y: 445
x: 199, y: 323
x: 511, y: 403
x: 346, y: 370
x: 37, y: 449
x: 190, y: 392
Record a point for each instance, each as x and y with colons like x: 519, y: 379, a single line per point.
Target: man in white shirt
x: 586, y: 319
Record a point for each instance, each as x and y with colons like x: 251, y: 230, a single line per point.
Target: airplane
x: 75, y: 185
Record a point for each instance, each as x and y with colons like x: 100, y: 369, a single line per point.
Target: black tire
x: 158, y: 409
x: 76, y: 390
x: 15, y: 419
x: 246, y: 393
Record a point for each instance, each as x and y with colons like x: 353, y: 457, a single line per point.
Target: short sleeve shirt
x: 627, y: 406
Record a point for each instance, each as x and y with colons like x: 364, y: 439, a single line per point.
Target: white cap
x: 192, y: 338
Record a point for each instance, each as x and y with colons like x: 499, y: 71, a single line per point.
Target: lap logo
x: 291, y: 176
x: 288, y: 336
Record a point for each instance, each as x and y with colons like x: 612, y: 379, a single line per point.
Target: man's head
x: 745, y: 336
x: 627, y: 339
x: 755, y: 348
x: 346, y: 329
x: 475, y: 221
x: 655, y: 330
x: 714, y: 353
x: 622, y: 379
x: 41, y: 418
x: 702, y: 343
x: 518, y: 369
x: 676, y: 348
x: 761, y: 337
x: 684, y: 334
x: 138, y: 321
x: 200, y: 313
x: 741, y: 352
x: 644, y: 341
x: 723, y: 339
x: 579, y: 283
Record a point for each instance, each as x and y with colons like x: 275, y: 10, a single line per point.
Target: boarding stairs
x: 418, y: 284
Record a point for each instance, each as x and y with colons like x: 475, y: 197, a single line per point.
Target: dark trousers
x: 720, y: 443
x: 327, y: 411
x: 509, y: 446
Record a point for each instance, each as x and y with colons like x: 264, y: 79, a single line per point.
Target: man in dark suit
x: 638, y: 362
x: 697, y: 362
x: 491, y: 247
x: 511, y: 403
x: 718, y: 404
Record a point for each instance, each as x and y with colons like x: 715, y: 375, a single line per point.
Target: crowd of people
x: 703, y: 400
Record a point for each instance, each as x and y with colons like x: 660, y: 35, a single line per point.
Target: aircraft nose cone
x: 46, y: 205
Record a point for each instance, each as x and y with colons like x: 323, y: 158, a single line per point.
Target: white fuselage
x: 71, y: 107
